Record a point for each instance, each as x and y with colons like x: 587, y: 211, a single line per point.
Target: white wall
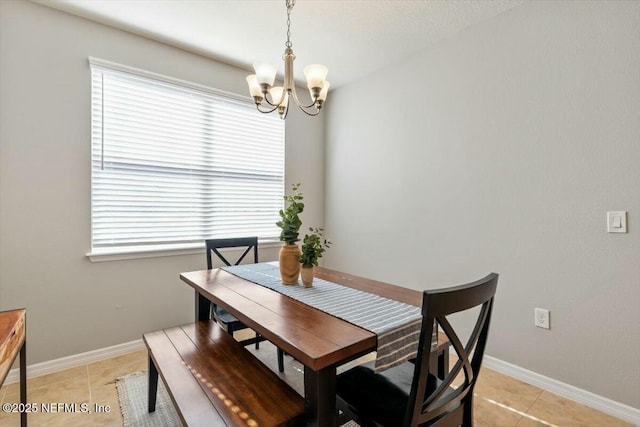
x: 73, y: 305
x: 501, y: 149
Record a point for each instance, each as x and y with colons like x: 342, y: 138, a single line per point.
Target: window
x: 174, y: 163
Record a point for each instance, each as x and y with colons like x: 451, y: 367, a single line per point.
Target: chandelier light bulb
x: 254, y: 87
x: 315, y: 75
x: 265, y: 73
x: 277, y: 98
x: 320, y: 93
x: 324, y: 91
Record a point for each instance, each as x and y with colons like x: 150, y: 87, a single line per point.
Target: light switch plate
x: 617, y: 222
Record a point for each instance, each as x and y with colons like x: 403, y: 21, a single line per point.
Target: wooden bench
x: 214, y: 381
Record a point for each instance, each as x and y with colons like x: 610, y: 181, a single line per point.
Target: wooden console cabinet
x: 12, y: 343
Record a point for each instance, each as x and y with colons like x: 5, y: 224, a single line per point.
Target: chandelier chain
x: 289, y: 4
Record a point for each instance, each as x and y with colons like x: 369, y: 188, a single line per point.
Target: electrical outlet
x: 542, y: 318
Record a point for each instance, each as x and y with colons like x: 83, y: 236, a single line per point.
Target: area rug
x: 132, y: 394
x: 132, y: 391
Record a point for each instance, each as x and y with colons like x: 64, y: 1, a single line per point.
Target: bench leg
x: 153, y: 385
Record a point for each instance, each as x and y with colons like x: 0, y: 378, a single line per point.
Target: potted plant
x: 313, y: 246
x: 290, y: 225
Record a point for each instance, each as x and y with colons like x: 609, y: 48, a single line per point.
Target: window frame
x: 111, y: 253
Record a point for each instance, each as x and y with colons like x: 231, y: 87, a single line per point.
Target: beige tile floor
x: 92, y: 384
x: 500, y: 400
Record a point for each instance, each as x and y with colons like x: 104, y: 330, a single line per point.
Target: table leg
x: 203, y: 308
x: 320, y: 397
x: 443, y: 363
x: 439, y: 363
x: 23, y: 383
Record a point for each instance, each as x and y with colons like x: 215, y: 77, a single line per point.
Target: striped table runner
x: 396, y: 324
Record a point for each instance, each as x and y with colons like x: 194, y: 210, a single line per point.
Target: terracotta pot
x: 290, y: 264
x: 307, y: 276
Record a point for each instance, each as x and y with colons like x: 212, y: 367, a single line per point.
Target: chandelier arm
x: 298, y: 103
x: 266, y: 111
x: 284, y: 92
x: 269, y: 102
x: 286, y: 111
x: 315, y: 113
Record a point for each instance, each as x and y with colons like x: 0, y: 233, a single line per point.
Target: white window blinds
x: 173, y: 163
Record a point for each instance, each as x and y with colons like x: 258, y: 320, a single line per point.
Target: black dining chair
x: 224, y: 318
x: 408, y: 395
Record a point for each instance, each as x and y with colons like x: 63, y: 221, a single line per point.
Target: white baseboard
x: 72, y: 361
x: 602, y: 404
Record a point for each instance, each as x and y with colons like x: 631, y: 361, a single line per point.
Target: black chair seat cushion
x: 381, y: 397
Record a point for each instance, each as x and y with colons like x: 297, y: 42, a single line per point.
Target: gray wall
x: 73, y: 305
x: 501, y: 149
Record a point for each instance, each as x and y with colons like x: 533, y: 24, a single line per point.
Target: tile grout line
x: 522, y: 414
x: 89, y: 385
x: 534, y: 402
x: 86, y: 368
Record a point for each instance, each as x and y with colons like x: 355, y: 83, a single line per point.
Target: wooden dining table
x: 320, y: 341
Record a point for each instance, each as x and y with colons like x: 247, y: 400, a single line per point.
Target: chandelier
x: 278, y: 97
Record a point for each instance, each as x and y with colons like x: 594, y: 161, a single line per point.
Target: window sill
x: 139, y: 252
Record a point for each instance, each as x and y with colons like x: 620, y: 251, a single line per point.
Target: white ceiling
x: 351, y: 37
